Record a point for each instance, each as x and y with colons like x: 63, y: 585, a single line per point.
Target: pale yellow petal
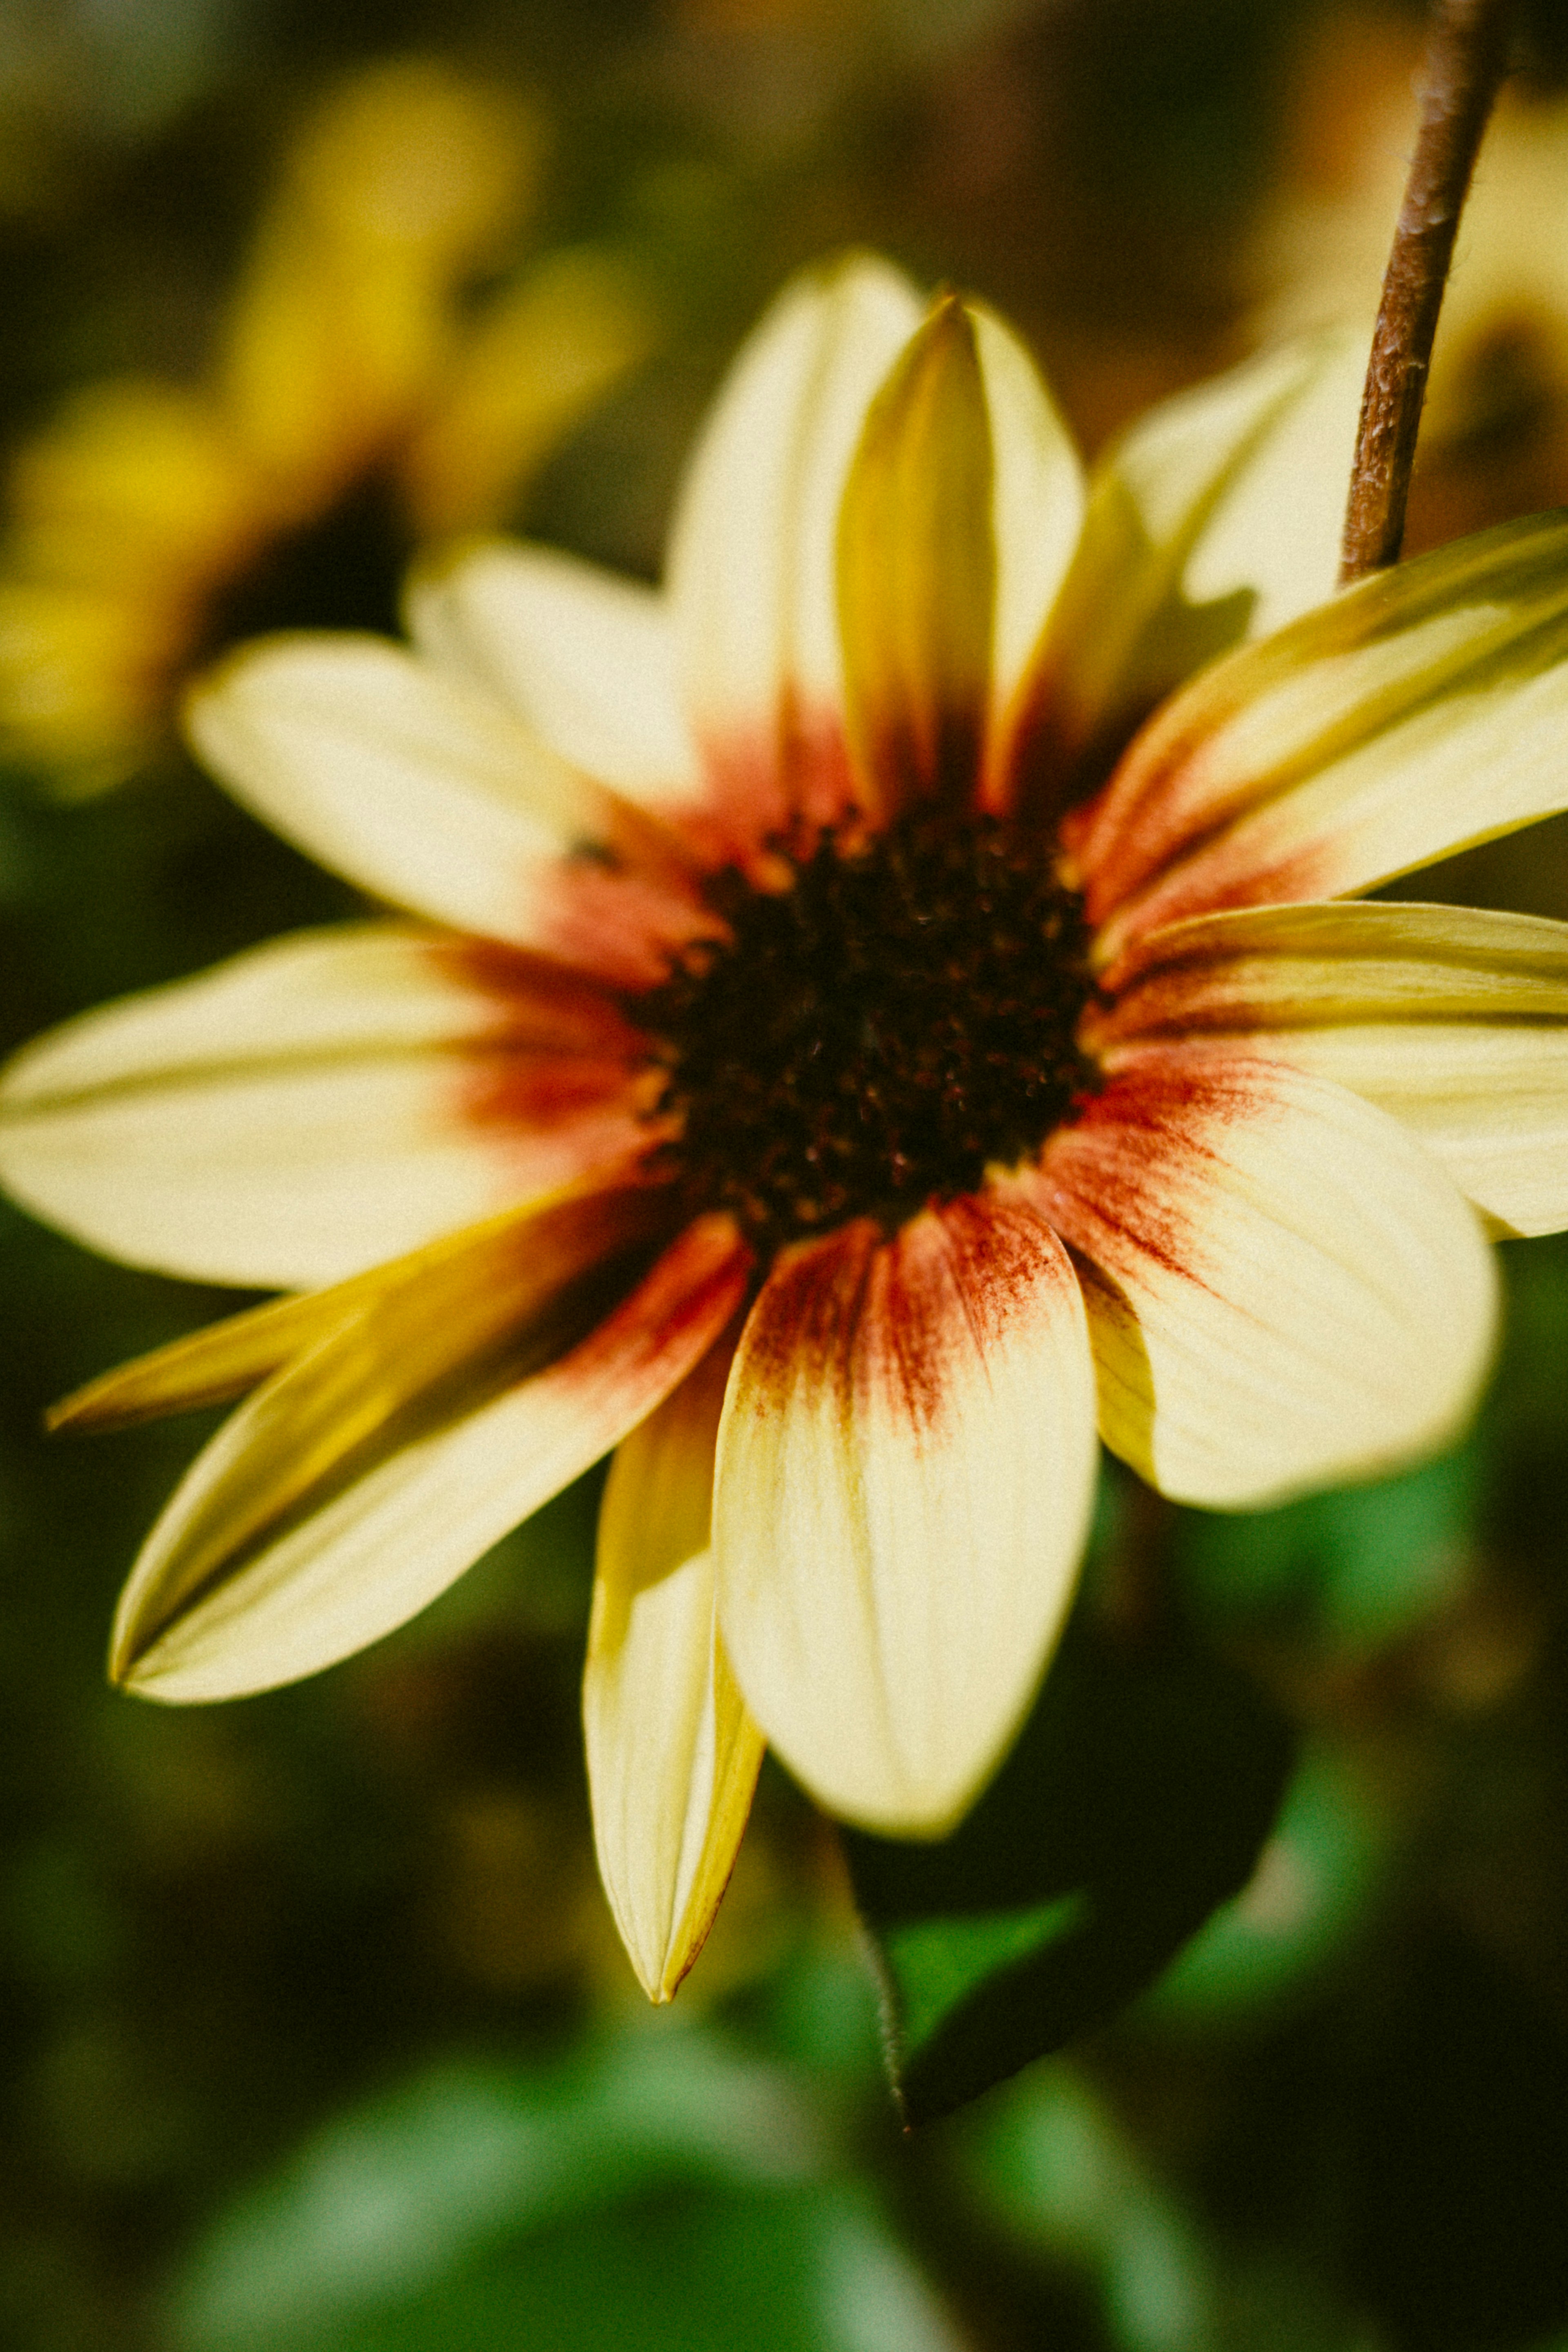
x: 1452, y: 1018
x: 360, y: 1481
x: 752, y: 561
x: 428, y: 792
x: 1217, y: 517
x: 917, y: 574
x: 673, y: 1755
x: 585, y: 657
x: 1423, y: 709
x: 416, y: 787
x: 316, y: 1106
x: 1284, y: 1288
x: 905, y: 1469
x: 535, y: 361
x: 1036, y: 515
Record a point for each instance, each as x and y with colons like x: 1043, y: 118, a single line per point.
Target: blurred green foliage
x: 315, y: 2032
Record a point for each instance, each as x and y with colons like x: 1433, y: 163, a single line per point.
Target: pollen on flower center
x: 875, y: 1033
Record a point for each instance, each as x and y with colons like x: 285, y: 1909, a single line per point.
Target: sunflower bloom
x: 352, y: 410
x: 849, y: 1053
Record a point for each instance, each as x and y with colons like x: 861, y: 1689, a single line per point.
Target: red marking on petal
x: 1225, y: 875
x: 545, y: 1090
x: 885, y: 1327
x: 538, y: 1005
x: 765, y: 784
x: 675, y: 1312
x: 1128, y: 1177
x: 809, y: 1304
x: 624, y: 929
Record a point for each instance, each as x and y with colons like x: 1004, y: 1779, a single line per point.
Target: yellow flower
x: 354, y: 408
x: 1495, y: 425
x: 843, y: 1059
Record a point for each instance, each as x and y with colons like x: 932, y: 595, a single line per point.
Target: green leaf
x: 1363, y: 1564
x: 658, y: 2187
x: 1049, y: 2160
x: 1311, y: 1894
x: 414, y: 2186
x: 803, y: 2270
x: 1136, y: 1800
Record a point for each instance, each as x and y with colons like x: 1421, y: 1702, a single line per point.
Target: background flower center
x: 871, y: 1036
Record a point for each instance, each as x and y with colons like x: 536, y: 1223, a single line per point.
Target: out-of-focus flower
x: 846, y: 1059
x: 362, y: 400
x: 1495, y: 426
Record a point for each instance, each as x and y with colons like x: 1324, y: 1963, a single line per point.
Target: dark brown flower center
x: 871, y: 1037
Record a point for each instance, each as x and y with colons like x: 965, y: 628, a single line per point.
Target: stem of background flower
x: 1467, y: 55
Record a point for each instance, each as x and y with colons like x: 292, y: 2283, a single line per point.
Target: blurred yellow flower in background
x: 360, y: 401
x: 1494, y: 429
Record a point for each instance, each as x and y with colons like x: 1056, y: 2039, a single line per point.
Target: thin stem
x: 1467, y: 55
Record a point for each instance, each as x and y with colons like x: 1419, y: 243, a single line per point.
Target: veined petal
x: 318, y: 1105
x: 1453, y: 1018
x: 584, y: 658
x: 673, y: 1755
x: 905, y: 1469
x: 916, y: 573
x: 1215, y: 518
x: 1422, y: 710
x: 753, y: 559
x: 1283, y: 1287
x: 1037, y: 516
x: 360, y: 1480
x: 426, y: 792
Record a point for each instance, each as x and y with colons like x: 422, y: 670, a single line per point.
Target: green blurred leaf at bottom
x: 658, y: 2186
x: 1135, y: 1800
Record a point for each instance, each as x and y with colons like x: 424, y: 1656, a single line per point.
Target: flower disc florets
x: 871, y: 1036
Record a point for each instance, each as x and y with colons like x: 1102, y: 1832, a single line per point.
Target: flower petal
x: 1452, y: 1018
x: 536, y: 359
x: 363, y: 1479
x: 752, y: 564
x: 584, y: 658
x: 905, y: 1470
x: 673, y: 1755
x: 1283, y: 1287
x: 426, y: 792
x: 916, y: 573
x: 1037, y: 516
x: 1422, y: 710
x: 1215, y: 517
x: 318, y: 1105
x: 958, y: 521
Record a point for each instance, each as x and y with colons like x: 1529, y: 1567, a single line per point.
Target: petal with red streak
x: 428, y: 792
x: 1453, y: 1018
x: 905, y: 1469
x: 751, y: 564
x: 319, y: 1104
x: 1421, y: 710
x: 361, y: 1479
x: 1284, y: 1288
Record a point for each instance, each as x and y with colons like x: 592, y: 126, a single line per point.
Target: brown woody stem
x: 1467, y: 55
